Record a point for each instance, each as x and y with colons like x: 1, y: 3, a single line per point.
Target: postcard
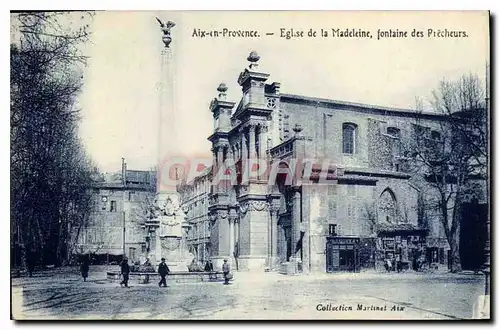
x: 250, y: 165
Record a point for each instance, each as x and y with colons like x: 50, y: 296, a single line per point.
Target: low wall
x: 177, y: 277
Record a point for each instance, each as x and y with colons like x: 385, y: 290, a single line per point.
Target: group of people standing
x: 163, y: 271
x: 226, y: 270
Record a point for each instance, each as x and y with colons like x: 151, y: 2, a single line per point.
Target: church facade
x: 302, y: 184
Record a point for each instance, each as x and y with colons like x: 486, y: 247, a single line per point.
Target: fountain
x: 170, y: 234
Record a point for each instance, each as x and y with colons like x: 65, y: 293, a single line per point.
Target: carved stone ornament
x: 169, y: 208
x: 259, y: 205
x: 170, y: 244
x: 242, y: 77
x: 165, y: 28
x: 170, y: 221
x: 253, y: 206
x: 253, y: 57
x: 233, y: 215
x: 243, y: 207
x: 222, y: 214
x: 212, y: 217
x: 274, y: 206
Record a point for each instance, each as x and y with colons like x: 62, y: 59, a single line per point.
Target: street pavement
x: 62, y: 294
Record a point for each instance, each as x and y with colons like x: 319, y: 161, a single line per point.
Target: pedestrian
x: 209, y: 267
x: 163, y: 271
x: 399, y: 263
x: 84, y: 268
x: 225, y: 270
x: 388, y: 264
x: 125, y: 271
x: 30, y: 262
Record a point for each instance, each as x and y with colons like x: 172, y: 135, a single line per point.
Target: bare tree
x: 449, y: 155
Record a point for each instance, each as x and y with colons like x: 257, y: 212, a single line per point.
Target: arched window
x: 387, y: 207
x: 393, y: 131
x: 435, y: 135
x: 348, y: 138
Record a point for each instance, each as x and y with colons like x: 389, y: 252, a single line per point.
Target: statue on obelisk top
x: 165, y: 27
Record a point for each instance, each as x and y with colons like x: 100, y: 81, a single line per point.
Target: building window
x: 351, y: 210
x: 351, y: 190
x: 395, y: 134
x: 113, y: 206
x: 435, y: 135
x: 332, y: 230
x: 393, y: 131
x: 332, y: 208
x: 348, y: 138
x: 388, y: 207
x: 332, y: 190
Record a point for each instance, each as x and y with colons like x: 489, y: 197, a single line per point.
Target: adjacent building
x: 115, y: 227
x: 194, y: 199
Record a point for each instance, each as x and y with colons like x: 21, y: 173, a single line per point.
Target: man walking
x: 163, y: 271
x: 125, y: 270
x: 84, y: 268
x: 225, y: 270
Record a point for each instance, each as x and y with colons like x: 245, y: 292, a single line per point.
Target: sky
x: 120, y: 99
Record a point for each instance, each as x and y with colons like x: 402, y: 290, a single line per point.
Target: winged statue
x: 165, y: 27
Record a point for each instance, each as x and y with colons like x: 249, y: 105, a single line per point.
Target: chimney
x: 124, y: 171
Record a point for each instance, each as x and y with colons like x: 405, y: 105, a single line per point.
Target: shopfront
x: 342, y: 254
x: 404, y: 246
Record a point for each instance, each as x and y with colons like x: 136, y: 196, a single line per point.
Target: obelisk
x: 167, y: 137
x: 171, y: 217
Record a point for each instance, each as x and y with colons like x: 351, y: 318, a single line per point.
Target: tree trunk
x: 456, y: 266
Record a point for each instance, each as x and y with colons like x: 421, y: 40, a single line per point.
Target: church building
x: 359, y: 205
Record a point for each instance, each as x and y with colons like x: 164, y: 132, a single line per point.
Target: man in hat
x: 163, y: 271
x: 225, y: 270
x: 125, y: 271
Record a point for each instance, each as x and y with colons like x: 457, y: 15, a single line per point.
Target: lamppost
x: 123, y: 237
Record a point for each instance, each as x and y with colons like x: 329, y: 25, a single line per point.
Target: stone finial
x: 297, y: 128
x: 253, y: 58
x: 222, y: 89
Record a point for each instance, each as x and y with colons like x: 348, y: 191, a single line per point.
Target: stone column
x: 214, y: 167
x: 223, y: 238
x: 220, y: 156
x: 274, y: 237
x: 263, y: 147
x: 296, y: 217
x: 244, y: 154
x: 231, y: 237
x: 157, y: 246
x: 251, y: 132
x: 220, y: 161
